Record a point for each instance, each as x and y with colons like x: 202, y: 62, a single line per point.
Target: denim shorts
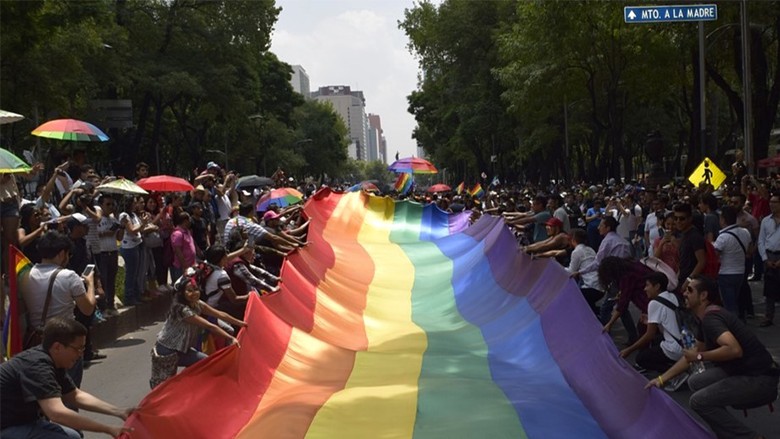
x: 9, y: 209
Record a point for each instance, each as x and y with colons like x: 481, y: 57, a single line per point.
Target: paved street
x: 123, y: 377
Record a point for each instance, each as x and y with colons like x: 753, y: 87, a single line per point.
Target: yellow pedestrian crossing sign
x: 708, y: 173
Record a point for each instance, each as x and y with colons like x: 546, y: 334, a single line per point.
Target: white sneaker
x: 675, y: 383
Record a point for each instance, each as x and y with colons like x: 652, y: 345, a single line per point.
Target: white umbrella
x: 121, y: 186
x: 660, y: 266
x: 8, y: 117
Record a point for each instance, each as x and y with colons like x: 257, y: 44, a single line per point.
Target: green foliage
x: 566, y: 89
x: 199, y: 75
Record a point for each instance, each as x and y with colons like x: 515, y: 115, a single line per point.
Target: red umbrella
x: 165, y: 183
x: 769, y: 162
x: 70, y: 129
x: 439, y: 188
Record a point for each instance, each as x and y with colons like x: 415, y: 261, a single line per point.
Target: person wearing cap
x: 556, y: 243
x: 67, y: 288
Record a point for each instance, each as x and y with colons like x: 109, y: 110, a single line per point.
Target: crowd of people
x: 211, y: 249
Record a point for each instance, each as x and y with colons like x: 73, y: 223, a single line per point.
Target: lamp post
x: 744, y: 25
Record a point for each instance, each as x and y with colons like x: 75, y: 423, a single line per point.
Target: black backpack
x: 684, y: 317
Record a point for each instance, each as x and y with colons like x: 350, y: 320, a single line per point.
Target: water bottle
x: 689, y: 342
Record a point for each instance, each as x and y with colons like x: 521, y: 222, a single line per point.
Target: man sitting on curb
x: 743, y: 372
x: 35, y: 385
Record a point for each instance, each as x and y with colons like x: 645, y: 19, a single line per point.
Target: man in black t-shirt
x: 35, y: 385
x: 693, y: 251
x: 740, y: 370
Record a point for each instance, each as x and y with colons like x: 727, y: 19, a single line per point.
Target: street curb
x: 130, y: 319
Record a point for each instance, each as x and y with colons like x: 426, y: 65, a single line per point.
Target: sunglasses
x: 680, y: 218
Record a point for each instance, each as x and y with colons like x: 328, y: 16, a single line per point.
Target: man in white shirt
x: 732, y: 244
x: 581, y: 256
x: 769, y: 249
x: 67, y: 288
x: 661, y: 317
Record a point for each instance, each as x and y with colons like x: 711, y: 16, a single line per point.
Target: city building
x: 377, y: 142
x: 300, y: 81
x: 351, y: 106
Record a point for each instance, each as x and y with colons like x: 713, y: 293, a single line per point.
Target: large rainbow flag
x: 18, y: 264
x: 400, y: 321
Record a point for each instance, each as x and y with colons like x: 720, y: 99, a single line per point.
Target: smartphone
x: 661, y: 232
x: 88, y: 270
x: 114, y: 227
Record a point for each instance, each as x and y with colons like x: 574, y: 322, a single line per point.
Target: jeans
x: 653, y: 358
x: 185, y: 360
x: 40, y: 429
x: 771, y: 291
x: 176, y: 273
x: 628, y: 321
x: 714, y: 390
x: 132, y: 265
x: 745, y: 297
x: 730, y: 285
x: 108, y: 264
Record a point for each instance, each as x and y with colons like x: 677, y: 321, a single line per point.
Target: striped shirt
x: 248, y: 226
x: 176, y: 333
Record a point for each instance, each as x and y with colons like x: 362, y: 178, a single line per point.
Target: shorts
x: 9, y: 209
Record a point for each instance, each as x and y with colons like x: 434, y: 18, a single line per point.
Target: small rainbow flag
x: 477, y: 191
x: 459, y: 188
x: 18, y: 265
x: 399, y: 320
x: 403, y: 183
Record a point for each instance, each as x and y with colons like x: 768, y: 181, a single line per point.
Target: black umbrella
x: 253, y: 181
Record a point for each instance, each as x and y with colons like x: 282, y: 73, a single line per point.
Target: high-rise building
x: 300, y: 81
x: 379, y: 147
x: 351, y: 106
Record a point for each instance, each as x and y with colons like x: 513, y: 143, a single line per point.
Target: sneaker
x: 94, y: 355
x: 110, y: 312
x: 639, y: 368
x: 765, y: 323
x: 675, y: 383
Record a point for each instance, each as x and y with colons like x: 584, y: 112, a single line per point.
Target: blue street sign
x: 663, y: 14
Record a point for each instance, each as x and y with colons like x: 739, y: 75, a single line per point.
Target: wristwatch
x: 698, y: 357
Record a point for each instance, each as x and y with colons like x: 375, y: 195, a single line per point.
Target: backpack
x: 684, y: 317
x: 712, y: 262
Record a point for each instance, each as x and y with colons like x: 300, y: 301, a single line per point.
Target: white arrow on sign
x: 631, y: 15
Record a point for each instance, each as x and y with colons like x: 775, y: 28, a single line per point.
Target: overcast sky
x: 355, y: 43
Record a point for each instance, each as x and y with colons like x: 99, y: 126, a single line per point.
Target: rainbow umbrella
x: 281, y: 197
x: 165, y: 183
x: 413, y: 165
x: 70, y: 129
x: 11, y: 164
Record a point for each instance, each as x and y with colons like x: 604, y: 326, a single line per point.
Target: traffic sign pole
x: 677, y: 13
